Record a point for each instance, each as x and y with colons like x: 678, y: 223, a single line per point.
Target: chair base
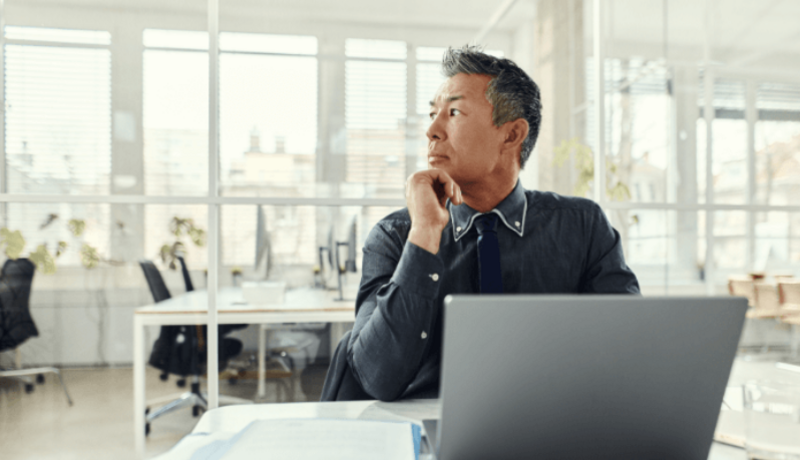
x: 196, y: 399
x: 24, y: 375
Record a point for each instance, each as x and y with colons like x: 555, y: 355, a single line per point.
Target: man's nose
x: 435, y: 130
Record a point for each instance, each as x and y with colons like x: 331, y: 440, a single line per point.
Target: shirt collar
x: 512, y: 211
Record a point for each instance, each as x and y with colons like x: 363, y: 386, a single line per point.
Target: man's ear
x: 516, y: 133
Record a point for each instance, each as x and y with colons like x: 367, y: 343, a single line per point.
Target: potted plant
x: 14, y: 243
x: 236, y: 275
x: 180, y: 227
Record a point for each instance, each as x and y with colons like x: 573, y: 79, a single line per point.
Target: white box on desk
x: 264, y: 292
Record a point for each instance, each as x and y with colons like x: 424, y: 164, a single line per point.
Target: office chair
x: 16, y: 324
x: 180, y: 350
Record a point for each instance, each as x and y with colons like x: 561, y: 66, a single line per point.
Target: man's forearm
x: 426, y: 238
x: 386, y: 353
x: 396, y: 312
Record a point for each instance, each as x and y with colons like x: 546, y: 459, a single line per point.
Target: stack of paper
x: 301, y: 439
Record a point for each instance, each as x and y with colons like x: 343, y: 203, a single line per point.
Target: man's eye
x: 454, y: 112
x: 432, y: 115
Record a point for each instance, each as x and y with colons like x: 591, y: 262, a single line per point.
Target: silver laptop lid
x: 584, y: 376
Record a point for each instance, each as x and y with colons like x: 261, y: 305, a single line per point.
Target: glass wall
x: 700, y: 120
x: 126, y: 138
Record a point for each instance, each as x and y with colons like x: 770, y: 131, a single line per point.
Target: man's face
x: 462, y: 140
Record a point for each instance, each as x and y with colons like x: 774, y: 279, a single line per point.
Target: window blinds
x: 58, y: 132
x: 375, y: 112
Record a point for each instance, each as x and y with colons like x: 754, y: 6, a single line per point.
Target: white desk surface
x: 231, y: 419
x: 234, y: 418
x: 230, y: 300
x: 730, y: 426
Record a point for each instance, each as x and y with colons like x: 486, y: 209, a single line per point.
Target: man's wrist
x: 427, y: 238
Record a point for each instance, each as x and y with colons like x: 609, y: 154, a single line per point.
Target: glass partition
x: 321, y: 113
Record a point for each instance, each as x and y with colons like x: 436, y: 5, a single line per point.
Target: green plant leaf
x: 62, y: 246
x: 619, y: 192
x: 43, y: 260
x: 76, y: 226
x: 89, y: 256
x: 198, y: 236
x: 13, y: 241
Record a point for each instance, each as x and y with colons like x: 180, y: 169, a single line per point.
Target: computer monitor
x: 263, y: 244
x: 350, y: 262
x: 322, y: 250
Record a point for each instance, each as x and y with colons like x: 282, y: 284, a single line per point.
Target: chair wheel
x: 28, y: 388
x: 196, y: 411
x: 181, y: 382
x: 163, y: 377
x: 146, y: 429
x: 40, y: 378
x: 146, y: 410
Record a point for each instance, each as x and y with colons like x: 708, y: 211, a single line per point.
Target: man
x: 469, y: 227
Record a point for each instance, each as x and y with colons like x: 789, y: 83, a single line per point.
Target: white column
x: 708, y: 112
x: 3, y: 178
x: 751, y: 115
x: 599, y: 105
x: 138, y: 386
x: 213, y: 208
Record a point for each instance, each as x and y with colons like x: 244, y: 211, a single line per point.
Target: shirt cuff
x: 419, y: 271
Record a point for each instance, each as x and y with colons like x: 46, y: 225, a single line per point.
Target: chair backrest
x: 187, y: 280
x: 154, y: 281
x: 16, y: 324
x: 790, y: 293
x: 767, y: 297
x: 742, y: 286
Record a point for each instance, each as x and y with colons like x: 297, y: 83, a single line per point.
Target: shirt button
x: 458, y: 229
x: 435, y: 277
x: 516, y: 223
x: 424, y: 335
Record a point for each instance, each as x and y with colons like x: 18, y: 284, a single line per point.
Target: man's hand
x: 426, y: 195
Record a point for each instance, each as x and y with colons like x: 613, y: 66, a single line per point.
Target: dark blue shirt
x: 548, y: 244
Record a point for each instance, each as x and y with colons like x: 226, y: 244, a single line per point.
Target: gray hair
x: 512, y: 93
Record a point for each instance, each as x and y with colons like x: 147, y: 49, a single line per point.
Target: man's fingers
x: 452, y: 190
x: 443, y: 185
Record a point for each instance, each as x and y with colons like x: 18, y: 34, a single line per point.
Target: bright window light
x: 42, y: 34
x: 430, y: 53
x: 376, y: 49
x: 178, y: 39
x: 267, y: 43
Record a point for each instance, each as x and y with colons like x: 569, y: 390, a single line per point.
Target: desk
x: 301, y: 306
x: 730, y: 425
x: 233, y: 418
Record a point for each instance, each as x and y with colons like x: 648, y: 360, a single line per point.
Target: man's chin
x: 438, y: 162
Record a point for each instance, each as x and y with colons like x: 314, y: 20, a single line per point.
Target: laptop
x: 575, y: 377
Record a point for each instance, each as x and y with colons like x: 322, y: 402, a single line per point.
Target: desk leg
x: 138, y: 386
x: 262, y: 357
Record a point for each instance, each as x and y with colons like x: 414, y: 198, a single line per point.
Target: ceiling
x: 740, y: 33
x: 472, y: 14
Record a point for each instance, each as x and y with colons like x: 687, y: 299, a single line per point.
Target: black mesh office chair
x: 16, y: 324
x: 180, y: 350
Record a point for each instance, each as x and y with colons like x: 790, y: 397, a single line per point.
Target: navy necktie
x: 489, y: 254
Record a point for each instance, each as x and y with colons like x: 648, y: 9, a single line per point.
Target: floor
x: 42, y: 426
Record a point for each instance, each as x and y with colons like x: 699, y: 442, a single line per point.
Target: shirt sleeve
x: 395, y: 311
x: 606, y: 271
